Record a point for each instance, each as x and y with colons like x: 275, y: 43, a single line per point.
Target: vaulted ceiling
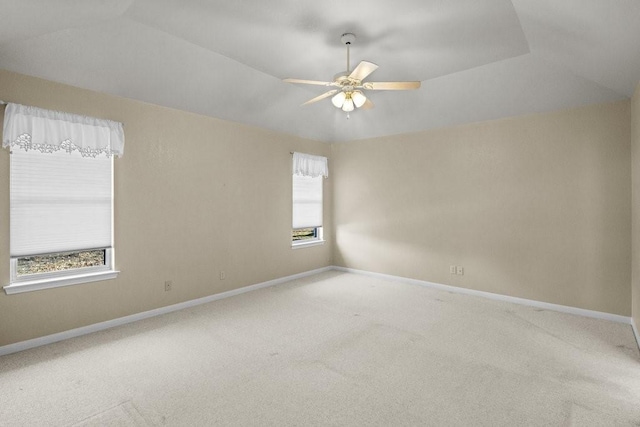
x: 477, y: 59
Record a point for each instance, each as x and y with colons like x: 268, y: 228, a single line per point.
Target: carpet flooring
x: 334, y: 349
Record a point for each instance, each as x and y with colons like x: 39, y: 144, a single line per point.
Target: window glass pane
x: 304, y: 234
x: 59, y: 262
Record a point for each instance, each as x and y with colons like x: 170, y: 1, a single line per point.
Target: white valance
x: 47, y: 131
x: 311, y: 166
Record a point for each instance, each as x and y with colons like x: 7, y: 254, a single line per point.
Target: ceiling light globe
x: 358, y: 98
x: 348, y: 105
x: 338, y: 100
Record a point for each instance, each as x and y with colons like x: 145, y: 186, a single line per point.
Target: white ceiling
x: 477, y: 59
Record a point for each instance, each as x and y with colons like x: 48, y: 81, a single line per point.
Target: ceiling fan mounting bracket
x: 348, y: 38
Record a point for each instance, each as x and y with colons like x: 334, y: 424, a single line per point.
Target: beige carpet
x: 334, y: 349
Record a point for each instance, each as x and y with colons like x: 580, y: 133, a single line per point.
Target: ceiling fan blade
x: 367, y: 105
x: 363, y: 69
x: 321, y: 97
x: 391, y: 85
x: 308, y: 82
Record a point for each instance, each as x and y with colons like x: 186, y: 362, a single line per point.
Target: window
x: 308, y: 173
x: 61, y: 198
x: 307, y: 209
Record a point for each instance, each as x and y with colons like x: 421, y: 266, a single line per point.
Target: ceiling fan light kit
x: 338, y: 99
x: 349, y: 94
x: 358, y: 98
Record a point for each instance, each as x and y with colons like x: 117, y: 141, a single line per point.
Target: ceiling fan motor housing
x: 342, y: 75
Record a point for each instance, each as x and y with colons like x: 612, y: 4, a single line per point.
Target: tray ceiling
x: 477, y: 59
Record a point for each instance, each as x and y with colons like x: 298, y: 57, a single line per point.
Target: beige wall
x: 635, y: 161
x: 193, y: 196
x: 536, y: 207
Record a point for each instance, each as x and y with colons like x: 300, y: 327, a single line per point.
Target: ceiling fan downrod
x: 347, y: 39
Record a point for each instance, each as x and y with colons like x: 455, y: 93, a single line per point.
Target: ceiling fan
x: 349, y: 85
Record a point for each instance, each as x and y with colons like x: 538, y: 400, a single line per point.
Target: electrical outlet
x: 222, y: 275
x: 452, y: 269
x: 460, y: 270
x: 168, y: 284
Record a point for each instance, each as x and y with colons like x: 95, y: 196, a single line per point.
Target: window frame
x: 319, y: 233
x: 37, y: 285
x: 75, y: 276
x: 15, y: 278
x: 54, y: 279
x: 317, y: 240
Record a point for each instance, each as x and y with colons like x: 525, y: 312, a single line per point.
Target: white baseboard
x: 72, y: 333
x: 49, y: 339
x: 635, y: 332
x: 538, y: 304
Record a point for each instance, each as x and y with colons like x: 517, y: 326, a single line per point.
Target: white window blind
x: 308, y: 171
x: 307, y: 201
x: 59, y: 201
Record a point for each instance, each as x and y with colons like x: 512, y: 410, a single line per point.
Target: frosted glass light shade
x: 358, y: 98
x: 338, y: 100
x: 348, y: 105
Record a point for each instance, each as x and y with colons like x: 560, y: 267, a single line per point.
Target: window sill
x: 307, y: 244
x: 36, y: 285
